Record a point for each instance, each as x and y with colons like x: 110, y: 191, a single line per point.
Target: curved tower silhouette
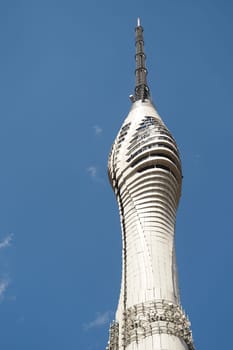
x: 145, y: 172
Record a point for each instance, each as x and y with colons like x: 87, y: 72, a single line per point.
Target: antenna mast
x: 142, y: 91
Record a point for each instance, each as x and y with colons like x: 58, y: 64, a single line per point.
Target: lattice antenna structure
x: 141, y: 91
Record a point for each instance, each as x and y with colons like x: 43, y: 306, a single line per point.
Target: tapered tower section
x: 145, y: 173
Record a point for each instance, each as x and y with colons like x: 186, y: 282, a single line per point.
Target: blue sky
x: 67, y: 69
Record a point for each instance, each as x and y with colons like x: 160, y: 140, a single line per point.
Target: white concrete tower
x: 145, y: 173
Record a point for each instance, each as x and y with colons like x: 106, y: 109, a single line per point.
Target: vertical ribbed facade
x: 145, y: 173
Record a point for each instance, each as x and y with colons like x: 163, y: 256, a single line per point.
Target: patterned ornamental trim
x: 113, y: 343
x: 158, y: 317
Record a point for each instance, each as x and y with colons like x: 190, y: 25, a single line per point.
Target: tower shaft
x: 145, y: 173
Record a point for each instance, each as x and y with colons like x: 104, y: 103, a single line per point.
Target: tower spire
x: 141, y: 90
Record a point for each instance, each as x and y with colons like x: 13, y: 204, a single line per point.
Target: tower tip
x: 142, y: 91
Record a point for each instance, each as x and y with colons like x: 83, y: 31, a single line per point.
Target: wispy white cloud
x: 98, y: 129
x: 4, y: 282
x: 100, y: 320
x: 6, y: 241
x: 92, y: 170
x: 3, y: 286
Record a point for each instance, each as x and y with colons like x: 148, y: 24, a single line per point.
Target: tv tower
x: 145, y: 172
